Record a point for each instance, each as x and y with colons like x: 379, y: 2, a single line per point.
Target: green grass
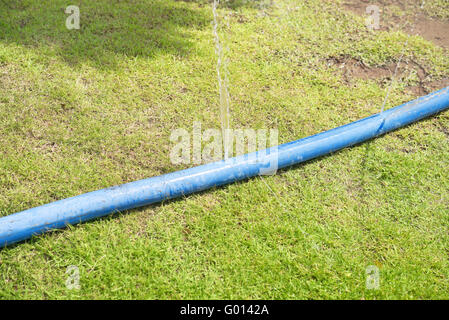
x: 437, y: 8
x: 86, y: 109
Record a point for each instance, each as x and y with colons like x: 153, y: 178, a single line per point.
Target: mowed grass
x: 86, y: 109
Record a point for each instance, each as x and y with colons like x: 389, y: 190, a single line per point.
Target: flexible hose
x: 23, y: 225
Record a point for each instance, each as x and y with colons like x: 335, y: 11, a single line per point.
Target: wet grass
x: 86, y: 109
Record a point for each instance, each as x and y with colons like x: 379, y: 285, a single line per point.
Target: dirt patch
x: 406, y: 16
x: 436, y: 85
x: 433, y: 30
x: 355, y: 69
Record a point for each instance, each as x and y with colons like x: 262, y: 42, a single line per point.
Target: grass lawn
x: 86, y: 109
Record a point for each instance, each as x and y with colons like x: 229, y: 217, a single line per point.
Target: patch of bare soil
x: 356, y: 69
x: 436, y: 31
x: 407, y: 16
x: 353, y: 68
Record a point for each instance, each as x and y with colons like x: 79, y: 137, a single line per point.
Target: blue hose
x: 35, y: 221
